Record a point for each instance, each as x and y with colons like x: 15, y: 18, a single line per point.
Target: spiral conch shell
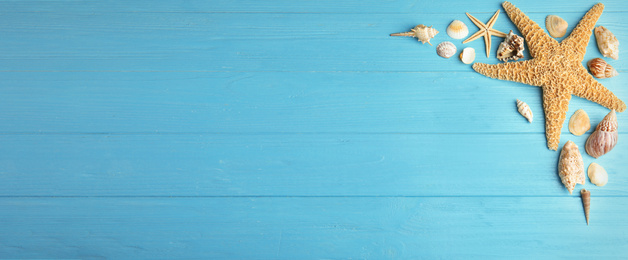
x: 570, y: 166
x: 457, y: 30
x: 604, y: 138
x: 600, y: 69
x: 607, y: 43
x: 524, y: 110
x: 421, y: 32
x: 586, y: 203
x: 446, y: 49
x: 556, y: 26
x: 511, y: 48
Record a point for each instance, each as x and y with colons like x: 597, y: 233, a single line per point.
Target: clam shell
x: 597, y: 175
x: 604, y: 138
x: 446, y: 49
x: 570, y: 166
x: 457, y: 29
x: 467, y: 56
x: 556, y: 26
x: 524, y: 110
x: 600, y: 69
x: 579, y: 123
x: 607, y: 43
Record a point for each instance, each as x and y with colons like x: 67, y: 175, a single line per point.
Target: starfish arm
x: 474, y: 37
x: 498, y: 33
x: 521, y: 71
x: 587, y: 87
x: 535, y: 36
x: 579, y: 38
x: 487, y: 43
x: 477, y: 22
x: 555, y: 106
x: 493, y: 19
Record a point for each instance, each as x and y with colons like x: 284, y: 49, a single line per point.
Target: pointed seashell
x: 579, y: 123
x: 457, y: 30
x: 604, y: 138
x: 586, y: 203
x: 570, y: 166
x: 511, y: 48
x: 600, y: 69
x: 607, y: 43
x: 597, y: 174
x: 556, y: 26
x: 446, y: 49
x: 467, y: 55
x: 524, y: 110
x: 421, y: 32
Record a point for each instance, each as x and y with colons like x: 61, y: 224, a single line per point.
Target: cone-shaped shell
x: 570, y: 166
x: 586, y: 203
x: 601, y: 69
x: 607, y: 43
x: 556, y: 26
x: 457, y: 30
x: 579, y: 123
x: 421, y: 32
x: 524, y: 110
x: 604, y: 138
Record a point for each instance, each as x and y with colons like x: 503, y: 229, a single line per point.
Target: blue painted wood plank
x: 312, y: 228
x: 258, y: 102
x: 293, y: 165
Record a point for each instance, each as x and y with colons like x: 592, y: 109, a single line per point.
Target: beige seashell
x: 604, y: 138
x: 524, y: 110
x: 446, y: 49
x: 421, y: 32
x: 570, y: 166
x: 607, y: 43
x: 457, y: 29
x: 579, y: 123
x: 586, y: 203
x: 597, y: 175
x: 600, y: 69
x: 556, y: 26
x: 511, y: 48
x: 467, y: 55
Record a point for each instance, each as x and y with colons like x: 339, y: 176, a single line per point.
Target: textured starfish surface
x: 556, y: 68
x: 486, y: 30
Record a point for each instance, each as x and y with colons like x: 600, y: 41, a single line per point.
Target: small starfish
x: 556, y: 68
x: 486, y: 30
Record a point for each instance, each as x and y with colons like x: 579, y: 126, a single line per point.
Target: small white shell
x: 467, y: 56
x: 597, y: 174
x: 446, y: 49
x: 601, y: 69
x: 556, y: 26
x: 524, y: 110
x: 457, y: 30
x: 607, y: 43
x: 579, y: 123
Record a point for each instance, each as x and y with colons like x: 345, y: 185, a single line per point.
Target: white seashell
x: 579, y: 123
x: 421, y: 32
x: 524, y: 110
x: 467, y: 55
x: 607, y: 43
x: 457, y: 30
x: 600, y: 69
x: 511, y: 48
x: 586, y: 203
x: 556, y: 26
x: 597, y: 175
x: 604, y: 138
x: 446, y: 49
x: 570, y: 166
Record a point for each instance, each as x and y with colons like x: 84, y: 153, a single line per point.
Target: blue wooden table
x: 286, y: 130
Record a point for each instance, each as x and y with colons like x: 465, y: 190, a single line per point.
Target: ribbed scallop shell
x: 600, y: 69
x: 570, y: 166
x: 604, y: 138
x: 457, y: 29
x: 467, y: 55
x: 446, y: 49
x: 556, y: 26
x: 579, y: 123
x: 524, y: 110
x: 607, y: 43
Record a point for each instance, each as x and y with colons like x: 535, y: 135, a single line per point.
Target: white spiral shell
x: 524, y: 110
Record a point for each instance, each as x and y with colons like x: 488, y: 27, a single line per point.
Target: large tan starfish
x: 556, y: 68
x: 486, y: 30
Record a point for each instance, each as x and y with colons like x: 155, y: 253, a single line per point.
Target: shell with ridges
x: 604, y: 138
x: 446, y: 49
x: 556, y: 26
x: 579, y: 123
x: 457, y: 29
x: 524, y: 110
x: 511, y: 48
x: 607, y: 43
x: 570, y: 166
x: 467, y: 55
x: 421, y: 32
x: 597, y: 174
x: 586, y: 203
x: 601, y: 69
